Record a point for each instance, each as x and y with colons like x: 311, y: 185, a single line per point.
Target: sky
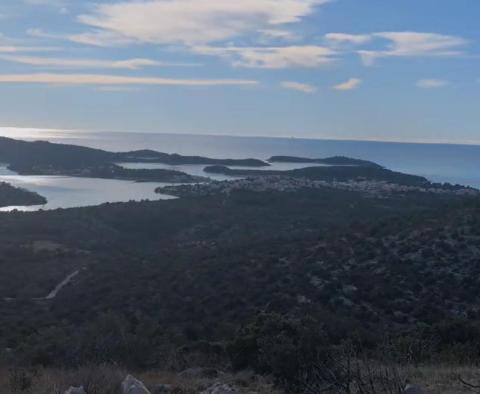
x: 391, y: 70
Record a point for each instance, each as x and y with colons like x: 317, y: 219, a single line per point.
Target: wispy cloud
x: 272, y: 57
x: 19, y: 49
x: 351, y: 84
x: 413, y: 44
x: 129, y: 64
x: 432, y: 83
x: 113, y: 80
x: 340, y: 38
x: 300, y: 87
x: 401, y: 44
x: 189, y: 22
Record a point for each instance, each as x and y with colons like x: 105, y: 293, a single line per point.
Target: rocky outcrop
x: 410, y: 389
x: 76, y: 390
x: 163, y: 389
x: 133, y: 386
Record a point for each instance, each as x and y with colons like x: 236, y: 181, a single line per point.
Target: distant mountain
x: 333, y: 161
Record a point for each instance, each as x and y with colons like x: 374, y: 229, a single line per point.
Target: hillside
x: 189, y: 273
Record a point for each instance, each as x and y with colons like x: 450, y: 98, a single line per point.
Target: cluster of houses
x: 280, y: 183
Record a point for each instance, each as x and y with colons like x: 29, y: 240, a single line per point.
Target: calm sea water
x: 439, y: 163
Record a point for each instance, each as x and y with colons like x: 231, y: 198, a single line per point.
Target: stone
x: 133, y: 386
x: 75, y: 390
x: 163, y: 389
x: 220, y: 388
x: 410, y: 389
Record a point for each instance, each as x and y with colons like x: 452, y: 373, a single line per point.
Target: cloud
x: 341, y: 38
x: 277, y: 35
x: 351, y: 84
x: 114, y: 80
x: 129, y: 64
x: 300, y: 87
x: 307, y: 56
x: 189, y: 22
x: 432, y: 83
x: 414, y: 44
x: 17, y: 49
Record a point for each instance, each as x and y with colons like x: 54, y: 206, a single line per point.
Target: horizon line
x: 210, y: 134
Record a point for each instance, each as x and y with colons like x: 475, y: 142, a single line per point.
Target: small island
x: 329, y: 161
x: 15, y: 196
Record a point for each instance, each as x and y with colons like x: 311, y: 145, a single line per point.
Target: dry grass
x: 107, y: 379
x: 443, y: 379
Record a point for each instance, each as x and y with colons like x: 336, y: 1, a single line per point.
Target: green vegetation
x: 260, y: 280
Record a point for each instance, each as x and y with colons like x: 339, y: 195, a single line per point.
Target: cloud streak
x: 299, y: 87
x: 307, y: 56
x: 128, y: 64
x: 432, y: 83
x: 351, y: 84
x: 115, y: 80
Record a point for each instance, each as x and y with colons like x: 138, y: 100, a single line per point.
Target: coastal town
x: 279, y: 183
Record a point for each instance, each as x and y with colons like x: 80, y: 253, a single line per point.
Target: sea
x: 456, y: 164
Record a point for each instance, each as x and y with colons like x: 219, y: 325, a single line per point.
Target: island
x: 330, y: 161
x: 15, y: 196
x: 151, y: 156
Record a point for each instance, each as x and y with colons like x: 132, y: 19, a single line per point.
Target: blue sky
x: 395, y: 70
